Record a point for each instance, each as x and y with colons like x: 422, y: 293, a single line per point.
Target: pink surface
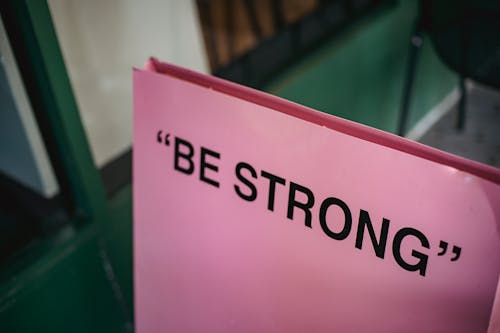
x: 205, y: 260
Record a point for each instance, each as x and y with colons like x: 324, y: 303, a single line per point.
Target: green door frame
x: 34, y: 42
x: 35, y: 45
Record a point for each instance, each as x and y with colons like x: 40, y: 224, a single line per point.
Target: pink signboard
x: 254, y: 214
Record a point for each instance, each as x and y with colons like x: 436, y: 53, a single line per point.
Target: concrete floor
x: 480, y: 141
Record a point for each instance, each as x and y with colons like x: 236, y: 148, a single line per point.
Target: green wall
x: 360, y: 75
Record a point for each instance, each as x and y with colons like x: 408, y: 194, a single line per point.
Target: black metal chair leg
x: 462, y: 105
x: 416, y: 43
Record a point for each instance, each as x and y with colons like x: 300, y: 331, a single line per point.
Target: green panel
x: 360, y: 75
x: 118, y: 230
x: 67, y: 284
x: 67, y: 290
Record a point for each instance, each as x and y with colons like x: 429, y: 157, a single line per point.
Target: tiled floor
x: 480, y: 140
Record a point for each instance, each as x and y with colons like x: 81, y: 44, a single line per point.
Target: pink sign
x: 254, y: 214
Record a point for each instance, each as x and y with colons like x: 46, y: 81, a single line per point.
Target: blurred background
x: 427, y: 70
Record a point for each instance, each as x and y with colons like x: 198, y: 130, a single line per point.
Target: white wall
x: 102, y: 40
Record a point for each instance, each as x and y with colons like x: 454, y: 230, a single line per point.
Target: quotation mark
x: 444, y: 247
x: 160, y: 138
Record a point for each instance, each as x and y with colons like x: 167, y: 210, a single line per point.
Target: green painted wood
x: 66, y: 281
x: 43, y: 65
x: 66, y: 284
x: 360, y: 75
x: 118, y: 235
x: 67, y: 290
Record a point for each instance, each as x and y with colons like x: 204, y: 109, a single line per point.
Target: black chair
x: 466, y: 36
